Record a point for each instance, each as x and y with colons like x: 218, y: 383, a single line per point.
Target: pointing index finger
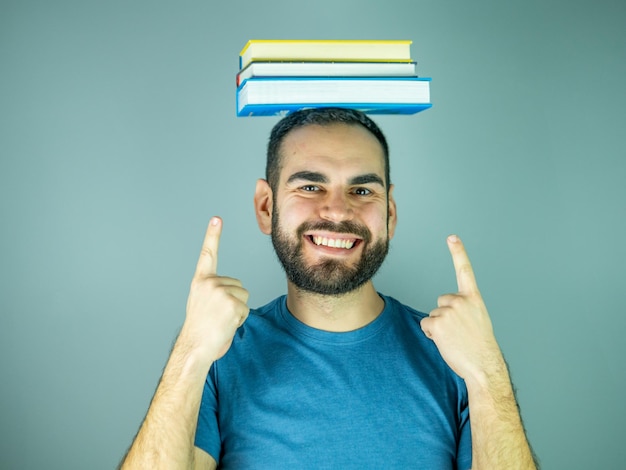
x: 207, y: 263
x: 465, y: 278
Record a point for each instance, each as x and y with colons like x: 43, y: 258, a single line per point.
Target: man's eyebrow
x: 312, y: 176
x: 367, y: 179
x: 315, y: 177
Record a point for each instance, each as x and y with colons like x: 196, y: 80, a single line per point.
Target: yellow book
x: 323, y: 50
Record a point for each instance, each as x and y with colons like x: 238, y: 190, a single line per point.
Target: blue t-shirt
x: 286, y: 395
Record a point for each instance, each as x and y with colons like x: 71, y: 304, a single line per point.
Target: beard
x: 329, y: 276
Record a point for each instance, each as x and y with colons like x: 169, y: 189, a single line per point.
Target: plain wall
x: 119, y: 140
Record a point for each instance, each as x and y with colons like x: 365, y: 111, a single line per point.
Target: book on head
x: 282, y: 95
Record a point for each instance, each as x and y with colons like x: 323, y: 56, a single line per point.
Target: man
x: 334, y: 374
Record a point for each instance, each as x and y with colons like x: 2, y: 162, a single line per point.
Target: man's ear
x: 263, y: 206
x: 393, y: 215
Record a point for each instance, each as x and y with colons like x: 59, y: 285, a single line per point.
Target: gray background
x: 118, y: 141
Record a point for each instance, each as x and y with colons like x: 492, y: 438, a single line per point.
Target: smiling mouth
x: 344, y: 243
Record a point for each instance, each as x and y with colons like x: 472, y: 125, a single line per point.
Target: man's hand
x: 461, y: 329
x: 460, y: 325
x: 216, y: 306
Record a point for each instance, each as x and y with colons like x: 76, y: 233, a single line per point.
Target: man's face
x: 332, y: 218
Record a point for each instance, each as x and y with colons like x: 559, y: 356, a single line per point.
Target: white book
x: 327, y: 69
x: 259, y: 96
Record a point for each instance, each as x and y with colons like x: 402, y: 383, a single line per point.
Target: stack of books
x: 277, y: 77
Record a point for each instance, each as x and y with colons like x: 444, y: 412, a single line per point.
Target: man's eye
x: 362, y: 191
x: 309, y: 188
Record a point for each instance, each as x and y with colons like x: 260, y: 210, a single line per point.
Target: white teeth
x: 333, y: 243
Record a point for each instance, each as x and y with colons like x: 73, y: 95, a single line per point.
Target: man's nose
x: 336, y: 207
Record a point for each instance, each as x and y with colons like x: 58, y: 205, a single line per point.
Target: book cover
x: 325, y: 50
x: 280, y: 110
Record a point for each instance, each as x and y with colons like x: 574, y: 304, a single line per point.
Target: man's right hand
x: 216, y: 306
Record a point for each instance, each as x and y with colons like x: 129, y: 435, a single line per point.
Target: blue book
x: 252, y: 110
x: 372, y: 95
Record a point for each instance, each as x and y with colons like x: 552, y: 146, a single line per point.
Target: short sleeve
x: 207, y: 431
x: 464, y: 449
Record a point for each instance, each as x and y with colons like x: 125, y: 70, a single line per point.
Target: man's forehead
x: 334, y: 141
x: 350, y: 131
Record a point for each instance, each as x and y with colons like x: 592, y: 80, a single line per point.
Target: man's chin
x: 346, y: 259
x: 338, y: 269
x: 334, y: 281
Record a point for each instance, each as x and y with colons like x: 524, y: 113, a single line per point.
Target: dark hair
x: 320, y: 117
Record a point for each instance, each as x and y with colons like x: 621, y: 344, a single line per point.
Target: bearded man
x: 333, y: 374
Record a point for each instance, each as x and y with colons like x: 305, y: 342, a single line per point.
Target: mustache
x: 345, y: 226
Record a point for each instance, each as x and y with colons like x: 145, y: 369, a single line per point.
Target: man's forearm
x: 216, y: 307
x: 498, y: 435
x: 166, y: 437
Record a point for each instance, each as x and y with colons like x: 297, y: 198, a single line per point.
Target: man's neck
x: 344, y: 312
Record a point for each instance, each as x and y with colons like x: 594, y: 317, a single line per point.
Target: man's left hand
x: 460, y: 325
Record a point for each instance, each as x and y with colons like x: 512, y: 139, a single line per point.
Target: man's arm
x: 461, y: 328
x: 216, y: 307
x: 203, y: 461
